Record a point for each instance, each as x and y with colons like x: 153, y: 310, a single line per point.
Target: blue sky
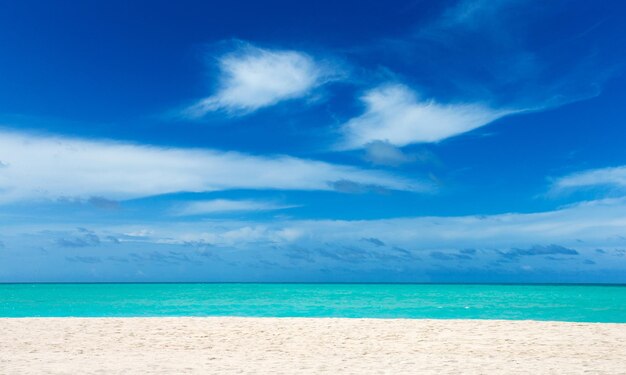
x: 425, y: 141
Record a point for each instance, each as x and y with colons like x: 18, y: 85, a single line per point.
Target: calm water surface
x: 538, y: 302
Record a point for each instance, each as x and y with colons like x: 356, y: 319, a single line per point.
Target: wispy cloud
x: 217, y: 206
x: 613, y: 177
x: 396, y: 115
x: 469, y: 14
x: 384, y: 153
x: 84, y: 259
x: 56, y: 167
x: 478, y: 51
x: 252, y: 78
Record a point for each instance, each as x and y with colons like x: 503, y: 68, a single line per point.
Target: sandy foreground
x: 303, y: 345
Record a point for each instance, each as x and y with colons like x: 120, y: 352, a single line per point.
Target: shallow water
x: 575, y: 303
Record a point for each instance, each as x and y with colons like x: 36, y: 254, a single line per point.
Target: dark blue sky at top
x: 122, y: 71
x: 115, y: 69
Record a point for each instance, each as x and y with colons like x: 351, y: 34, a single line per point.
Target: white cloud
x: 53, y: 167
x: 227, y: 205
x: 252, y: 78
x: 607, y: 177
x: 396, y: 115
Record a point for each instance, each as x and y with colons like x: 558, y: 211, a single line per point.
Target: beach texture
x: 308, y: 345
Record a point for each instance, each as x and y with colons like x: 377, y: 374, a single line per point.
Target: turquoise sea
x: 445, y: 301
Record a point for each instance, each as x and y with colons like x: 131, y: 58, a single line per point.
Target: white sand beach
x: 303, y: 345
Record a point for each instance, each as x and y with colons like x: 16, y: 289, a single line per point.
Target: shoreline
x: 321, y: 318
x: 225, y: 345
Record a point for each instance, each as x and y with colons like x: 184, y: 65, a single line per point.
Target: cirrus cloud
x: 53, y: 167
x: 601, y: 177
x: 396, y: 115
x: 218, y: 206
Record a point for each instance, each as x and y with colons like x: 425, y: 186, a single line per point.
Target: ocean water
x: 538, y: 302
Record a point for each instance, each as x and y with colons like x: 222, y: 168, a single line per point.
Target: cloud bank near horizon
x: 587, y: 237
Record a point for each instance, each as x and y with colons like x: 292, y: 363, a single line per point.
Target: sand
x: 311, y: 346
